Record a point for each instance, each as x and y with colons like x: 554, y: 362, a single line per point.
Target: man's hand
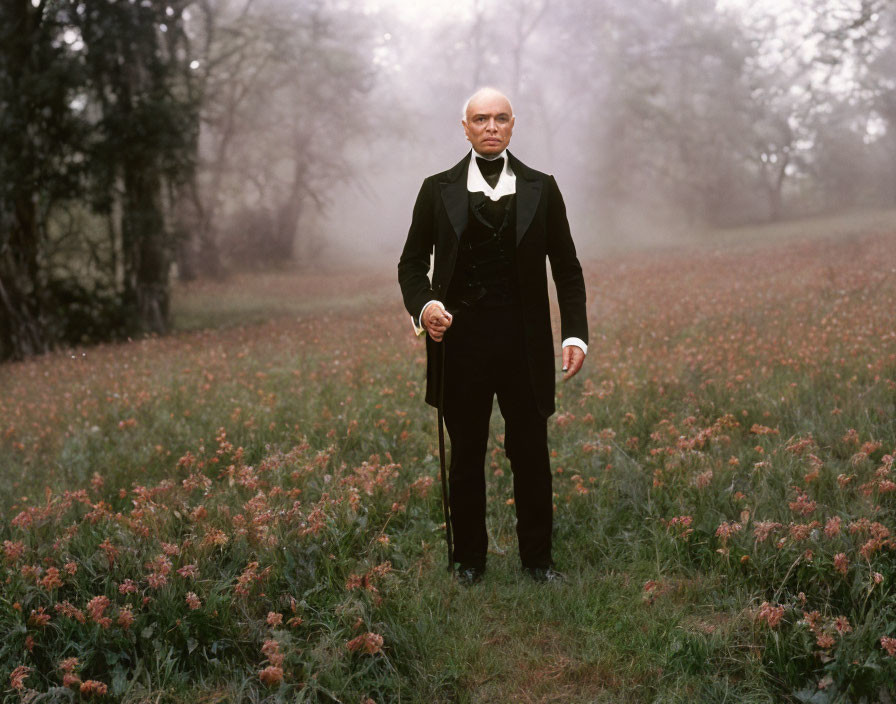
x: 573, y: 358
x: 436, y: 320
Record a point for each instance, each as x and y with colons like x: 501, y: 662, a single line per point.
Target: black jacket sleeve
x: 565, y: 268
x: 414, y: 263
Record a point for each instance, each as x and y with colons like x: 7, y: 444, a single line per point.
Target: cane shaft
x: 440, y: 347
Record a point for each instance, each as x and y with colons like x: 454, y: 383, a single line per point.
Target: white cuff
x: 418, y: 328
x: 576, y: 342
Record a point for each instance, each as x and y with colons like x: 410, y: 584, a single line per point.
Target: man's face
x: 489, y: 123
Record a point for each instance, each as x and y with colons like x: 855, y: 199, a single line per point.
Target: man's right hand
x: 436, y: 320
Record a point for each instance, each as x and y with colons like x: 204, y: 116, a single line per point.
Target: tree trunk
x: 286, y: 226
x: 776, y: 190
x: 22, y: 298
x: 147, y: 259
x: 22, y: 327
x: 288, y: 214
x: 774, y: 204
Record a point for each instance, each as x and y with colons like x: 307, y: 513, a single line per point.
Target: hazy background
x: 657, y: 118
x: 144, y: 143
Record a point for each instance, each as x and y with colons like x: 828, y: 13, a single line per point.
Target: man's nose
x: 492, y: 125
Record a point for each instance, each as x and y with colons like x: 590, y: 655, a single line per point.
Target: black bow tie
x: 490, y: 169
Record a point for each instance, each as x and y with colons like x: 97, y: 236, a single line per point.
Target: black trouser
x: 485, y: 354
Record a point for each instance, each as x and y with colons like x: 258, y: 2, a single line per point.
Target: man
x: 492, y: 222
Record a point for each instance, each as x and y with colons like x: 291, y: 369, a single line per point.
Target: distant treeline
x: 144, y: 140
x: 703, y: 111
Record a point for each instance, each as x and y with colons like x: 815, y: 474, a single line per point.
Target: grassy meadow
x: 248, y: 510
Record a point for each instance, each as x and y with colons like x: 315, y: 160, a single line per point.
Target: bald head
x: 488, y: 121
x: 485, y: 92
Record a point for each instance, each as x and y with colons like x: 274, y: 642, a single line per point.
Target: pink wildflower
x: 271, y: 675
x: 841, y: 563
x: 772, y: 615
x: 371, y: 643
x: 18, y: 676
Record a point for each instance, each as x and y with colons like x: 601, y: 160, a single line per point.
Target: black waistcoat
x: 485, y: 272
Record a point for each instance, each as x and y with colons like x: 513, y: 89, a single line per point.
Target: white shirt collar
x: 476, y: 182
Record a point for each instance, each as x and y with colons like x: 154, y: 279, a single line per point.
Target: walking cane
x: 440, y: 348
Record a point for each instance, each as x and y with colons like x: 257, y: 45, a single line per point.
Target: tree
x: 40, y: 165
x: 283, y: 99
x: 880, y: 82
x: 857, y: 53
x: 94, y: 128
x: 142, y: 140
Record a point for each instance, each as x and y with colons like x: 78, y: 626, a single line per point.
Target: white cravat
x: 506, y: 185
x: 476, y: 182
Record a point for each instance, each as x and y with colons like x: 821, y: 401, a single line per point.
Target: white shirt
x: 505, y: 186
x: 476, y: 182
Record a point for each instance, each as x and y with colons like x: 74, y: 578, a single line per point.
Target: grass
x: 245, y: 299
x: 258, y: 501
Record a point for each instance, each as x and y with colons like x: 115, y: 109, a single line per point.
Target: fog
x: 659, y: 118
x: 147, y: 143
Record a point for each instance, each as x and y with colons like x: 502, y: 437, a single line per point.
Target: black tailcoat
x: 542, y: 232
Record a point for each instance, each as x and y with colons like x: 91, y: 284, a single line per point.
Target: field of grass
x: 251, y: 512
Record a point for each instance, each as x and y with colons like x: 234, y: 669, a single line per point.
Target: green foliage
x: 723, y: 511
x: 95, y: 125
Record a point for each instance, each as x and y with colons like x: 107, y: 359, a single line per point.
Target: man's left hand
x: 573, y: 359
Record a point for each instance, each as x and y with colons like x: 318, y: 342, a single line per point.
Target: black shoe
x: 468, y: 575
x: 544, y: 574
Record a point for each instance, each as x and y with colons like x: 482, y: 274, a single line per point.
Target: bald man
x: 493, y: 222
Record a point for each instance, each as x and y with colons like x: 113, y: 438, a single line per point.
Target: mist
x: 658, y: 119
x: 247, y: 135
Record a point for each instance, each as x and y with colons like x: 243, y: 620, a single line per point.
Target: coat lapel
x: 528, y: 193
x: 456, y: 199
x: 454, y: 196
